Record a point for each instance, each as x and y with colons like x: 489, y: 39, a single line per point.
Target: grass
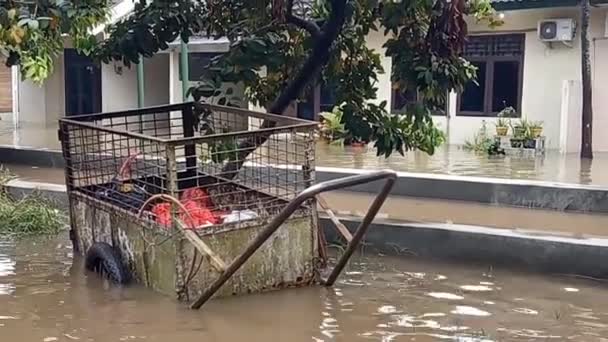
x: 30, y: 215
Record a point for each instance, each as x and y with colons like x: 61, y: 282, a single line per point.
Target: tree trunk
x: 312, y: 66
x: 587, y: 117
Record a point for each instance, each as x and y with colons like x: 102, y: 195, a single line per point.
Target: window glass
x: 473, y: 96
x: 505, y: 85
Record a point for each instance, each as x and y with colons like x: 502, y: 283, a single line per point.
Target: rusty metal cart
x: 196, y: 200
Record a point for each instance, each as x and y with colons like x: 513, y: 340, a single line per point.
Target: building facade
x: 541, y: 80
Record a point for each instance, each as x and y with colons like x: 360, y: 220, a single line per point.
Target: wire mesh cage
x: 225, y: 165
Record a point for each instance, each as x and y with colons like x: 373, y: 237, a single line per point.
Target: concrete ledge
x: 496, y: 191
x: 538, y: 251
x: 31, y: 156
x: 56, y: 193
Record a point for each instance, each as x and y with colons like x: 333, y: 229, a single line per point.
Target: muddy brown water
x: 46, y: 296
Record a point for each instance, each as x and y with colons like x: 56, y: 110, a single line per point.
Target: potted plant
x: 531, y: 135
x: 529, y: 142
x: 332, y: 128
x: 507, y: 112
x: 357, y: 143
x: 520, y: 130
x: 536, y: 129
x: 502, y: 127
x: 503, y: 123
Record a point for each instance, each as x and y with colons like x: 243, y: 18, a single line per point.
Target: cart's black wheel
x: 105, y: 260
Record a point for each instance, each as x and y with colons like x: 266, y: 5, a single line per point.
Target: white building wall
x: 32, y: 103
x: 55, y: 93
x: 118, y: 87
x: 546, y: 68
x: 44, y: 105
x: 156, y: 80
x: 599, y: 67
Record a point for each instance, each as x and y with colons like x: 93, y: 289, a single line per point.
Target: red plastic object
x: 199, y: 195
x: 200, y: 216
x: 197, y: 203
x: 162, y: 211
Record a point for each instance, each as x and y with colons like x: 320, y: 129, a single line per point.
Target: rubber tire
x: 105, y: 260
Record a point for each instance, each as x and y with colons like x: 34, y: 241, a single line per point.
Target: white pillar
x: 15, y: 93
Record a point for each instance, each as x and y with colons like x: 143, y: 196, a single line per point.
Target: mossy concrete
x: 165, y: 261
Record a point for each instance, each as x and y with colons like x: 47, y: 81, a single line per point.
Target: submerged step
x: 412, y: 209
x: 553, y: 252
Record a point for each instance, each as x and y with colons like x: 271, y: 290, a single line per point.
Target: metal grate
x: 495, y: 45
x: 185, y: 150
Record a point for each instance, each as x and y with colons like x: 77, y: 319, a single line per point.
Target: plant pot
x: 519, y: 131
x: 502, y: 130
x: 517, y: 143
x: 530, y: 143
x: 536, y: 132
x: 357, y: 144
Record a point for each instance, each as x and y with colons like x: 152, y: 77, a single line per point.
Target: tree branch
x: 307, y: 25
x: 312, y: 66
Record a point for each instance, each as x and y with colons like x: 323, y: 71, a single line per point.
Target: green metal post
x: 184, y: 72
x: 140, y: 82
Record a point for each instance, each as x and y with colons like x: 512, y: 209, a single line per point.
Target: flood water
x: 450, y: 160
x: 45, y: 296
x: 453, y: 160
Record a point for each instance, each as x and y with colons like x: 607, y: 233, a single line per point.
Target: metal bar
x: 190, y: 148
x: 204, y: 249
x: 64, y: 138
x: 240, y: 134
x: 140, y: 82
x: 341, y: 227
x: 259, y: 115
x: 131, y: 112
x: 178, y: 106
x: 116, y: 131
x: 360, y: 232
x: 292, y: 206
x: 184, y: 72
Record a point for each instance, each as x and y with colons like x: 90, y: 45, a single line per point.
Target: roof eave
x: 521, y: 5
x: 510, y: 5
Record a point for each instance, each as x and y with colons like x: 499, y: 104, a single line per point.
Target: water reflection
x: 7, y: 269
x: 585, y: 173
x: 444, y: 295
x: 469, y: 311
x: 475, y: 288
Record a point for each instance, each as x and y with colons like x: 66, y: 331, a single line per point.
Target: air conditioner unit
x: 556, y: 30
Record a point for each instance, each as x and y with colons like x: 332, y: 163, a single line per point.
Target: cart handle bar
x: 294, y: 204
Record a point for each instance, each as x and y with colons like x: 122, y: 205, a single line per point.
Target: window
x: 499, y: 62
x: 321, y: 98
x: 306, y: 107
x: 327, y: 99
x: 400, y: 99
x: 197, y: 63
